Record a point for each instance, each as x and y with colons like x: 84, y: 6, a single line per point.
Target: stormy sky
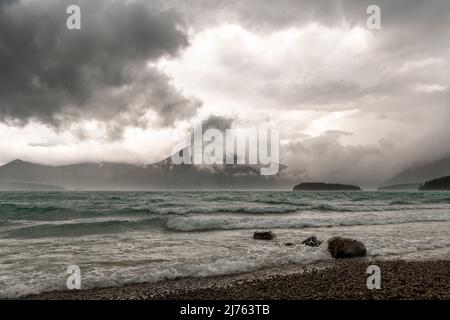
x: 352, y: 104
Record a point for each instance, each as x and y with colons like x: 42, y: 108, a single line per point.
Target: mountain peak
x: 17, y: 161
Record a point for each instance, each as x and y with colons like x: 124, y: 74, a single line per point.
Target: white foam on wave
x: 114, y: 260
x: 301, y: 220
x: 38, y: 280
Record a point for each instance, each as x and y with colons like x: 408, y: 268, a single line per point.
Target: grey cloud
x: 212, y: 122
x: 411, y: 30
x: 262, y: 14
x: 319, y: 94
x: 416, y: 16
x: 338, y: 133
x: 55, y: 75
x: 217, y: 122
x: 326, y: 158
x: 381, y: 81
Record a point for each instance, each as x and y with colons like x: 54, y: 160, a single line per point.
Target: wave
x: 275, y: 256
x: 66, y: 213
x: 438, y: 200
x: 400, y: 202
x: 56, y: 213
x: 230, y: 209
x: 83, y: 228
x: 328, y: 207
x: 22, y: 212
x: 282, y: 201
x: 17, y: 209
x: 200, y: 223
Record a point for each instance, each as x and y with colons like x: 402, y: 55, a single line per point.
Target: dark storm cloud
x: 55, y: 75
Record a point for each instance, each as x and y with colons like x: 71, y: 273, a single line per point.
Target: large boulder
x: 263, y: 235
x: 312, y: 242
x: 346, y: 248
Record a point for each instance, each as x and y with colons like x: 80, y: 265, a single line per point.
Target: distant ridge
x: 83, y: 175
x: 421, y: 173
x: 163, y: 175
x: 22, y: 186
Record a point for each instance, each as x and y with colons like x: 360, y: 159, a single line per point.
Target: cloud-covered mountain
x: 163, y: 175
x: 84, y: 175
x: 351, y: 103
x: 422, y: 173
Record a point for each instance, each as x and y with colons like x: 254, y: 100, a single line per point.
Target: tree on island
x: 442, y: 184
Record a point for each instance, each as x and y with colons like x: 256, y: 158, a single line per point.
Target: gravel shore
x: 343, y: 279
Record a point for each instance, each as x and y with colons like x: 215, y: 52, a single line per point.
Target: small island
x: 439, y: 184
x: 322, y: 186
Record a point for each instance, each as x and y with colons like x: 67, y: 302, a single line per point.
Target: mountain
x: 82, y: 176
x: 21, y: 186
x: 422, y: 173
x: 166, y: 175
x: 321, y: 186
x: 163, y: 175
x: 442, y: 184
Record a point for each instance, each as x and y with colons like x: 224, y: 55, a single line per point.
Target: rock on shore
x: 263, y: 235
x: 346, y: 248
x: 312, y: 242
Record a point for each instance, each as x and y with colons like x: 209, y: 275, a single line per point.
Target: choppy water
x: 128, y: 237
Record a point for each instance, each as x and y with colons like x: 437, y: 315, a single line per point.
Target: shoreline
x: 340, y: 280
